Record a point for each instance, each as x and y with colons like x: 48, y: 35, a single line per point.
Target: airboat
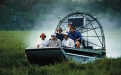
x: 93, y: 36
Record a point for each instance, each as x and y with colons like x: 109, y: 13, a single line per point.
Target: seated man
x: 42, y: 42
x: 54, y: 42
x: 59, y: 34
x: 67, y: 42
x: 76, y: 36
x: 69, y: 27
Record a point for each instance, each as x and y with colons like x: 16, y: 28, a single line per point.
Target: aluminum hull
x: 43, y: 56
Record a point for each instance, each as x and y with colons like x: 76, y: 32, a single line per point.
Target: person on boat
x: 69, y: 27
x: 42, y: 42
x: 54, y: 41
x: 59, y: 34
x: 67, y: 42
x: 76, y: 36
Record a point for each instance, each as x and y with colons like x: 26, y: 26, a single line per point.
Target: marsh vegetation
x: 14, y: 62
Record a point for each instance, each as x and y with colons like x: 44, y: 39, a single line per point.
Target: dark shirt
x: 74, y: 35
x: 59, y: 36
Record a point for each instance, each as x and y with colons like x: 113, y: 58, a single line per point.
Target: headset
x: 40, y: 36
x: 73, y: 27
x: 59, y: 28
x: 44, y: 34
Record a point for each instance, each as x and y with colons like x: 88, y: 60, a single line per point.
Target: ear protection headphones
x: 61, y: 29
x: 73, y: 27
x: 43, y: 35
x: 40, y: 36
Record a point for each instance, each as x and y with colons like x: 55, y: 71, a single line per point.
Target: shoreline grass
x: 14, y: 62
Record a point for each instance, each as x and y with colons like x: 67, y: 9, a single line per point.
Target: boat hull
x: 43, y: 56
x: 99, y: 53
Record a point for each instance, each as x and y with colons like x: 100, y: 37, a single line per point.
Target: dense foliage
x: 19, y: 14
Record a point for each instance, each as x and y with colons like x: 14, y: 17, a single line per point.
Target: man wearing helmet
x: 42, y: 42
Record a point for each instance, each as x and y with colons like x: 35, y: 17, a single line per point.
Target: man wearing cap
x: 54, y: 42
x: 42, y: 42
x: 67, y: 42
x: 76, y: 36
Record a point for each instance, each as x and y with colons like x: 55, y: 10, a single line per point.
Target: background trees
x: 20, y: 14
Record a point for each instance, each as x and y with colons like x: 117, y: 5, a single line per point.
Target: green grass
x: 14, y: 62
